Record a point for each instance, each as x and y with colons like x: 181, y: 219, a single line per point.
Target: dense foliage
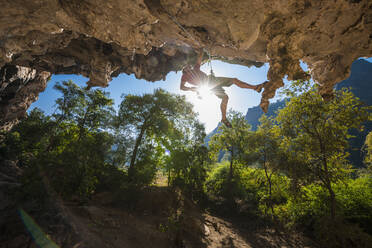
x: 85, y: 147
x: 294, y: 168
x: 292, y: 171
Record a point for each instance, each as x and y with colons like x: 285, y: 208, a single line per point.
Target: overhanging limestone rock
x: 102, y: 38
x: 19, y: 87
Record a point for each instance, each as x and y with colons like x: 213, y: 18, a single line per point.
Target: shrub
x: 338, y: 233
x: 355, y: 200
x: 249, y: 186
x: 353, y: 223
x: 218, y: 184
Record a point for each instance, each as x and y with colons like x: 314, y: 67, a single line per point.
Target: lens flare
x: 206, y: 104
x: 41, y: 239
x: 204, y: 91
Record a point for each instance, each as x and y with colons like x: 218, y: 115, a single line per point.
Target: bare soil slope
x: 160, y: 218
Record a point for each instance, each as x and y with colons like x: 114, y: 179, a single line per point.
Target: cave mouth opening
x: 207, y: 108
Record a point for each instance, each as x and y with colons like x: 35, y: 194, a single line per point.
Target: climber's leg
x: 223, y: 107
x: 245, y: 85
x: 220, y: 93
x: 226, y: 82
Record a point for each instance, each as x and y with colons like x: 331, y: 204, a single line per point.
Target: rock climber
x: 194, y: 76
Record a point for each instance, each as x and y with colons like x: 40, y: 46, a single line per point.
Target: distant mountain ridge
x: 254, y: 114
x: 360, y: 82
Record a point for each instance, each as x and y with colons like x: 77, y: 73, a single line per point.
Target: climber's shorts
x: 216, y: 84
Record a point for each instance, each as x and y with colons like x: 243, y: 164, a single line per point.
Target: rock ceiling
x: 102, y: 38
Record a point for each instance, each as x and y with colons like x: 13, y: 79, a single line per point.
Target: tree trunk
x: 169, y: 176
x: 268, y: 177
x: 231, y: 172
x: 53, y: 130
x: 327, y: 181
x: 81, y: 125
x: 134, y: 154
x: 230, y: 190
x: 332, y: 196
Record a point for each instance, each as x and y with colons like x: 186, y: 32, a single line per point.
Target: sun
x: 204, y: 92
x: 207, y: 105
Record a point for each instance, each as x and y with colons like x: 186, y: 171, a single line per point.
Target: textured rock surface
x: 102, y: 38
x: 19, y: 87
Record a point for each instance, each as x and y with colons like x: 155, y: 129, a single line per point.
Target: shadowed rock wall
x: 19, y: 87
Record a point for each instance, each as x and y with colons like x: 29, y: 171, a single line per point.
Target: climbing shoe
x: 227, y: 123
x: 260, y: 87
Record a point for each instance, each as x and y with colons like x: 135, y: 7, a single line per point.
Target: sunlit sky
x: 208, y: 107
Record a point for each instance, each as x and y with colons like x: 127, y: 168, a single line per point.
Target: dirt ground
x: 159, y: 219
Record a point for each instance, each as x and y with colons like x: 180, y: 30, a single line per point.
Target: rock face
x: 19, y: 87
x: 102, y: 38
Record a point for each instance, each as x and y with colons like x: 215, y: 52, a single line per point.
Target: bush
x: 353, y: 223
x: 111, y: 178
x: 143, y: 174
x: 303, y: 208
x: 354, y: 203
x: 249, y: 186
x: 355, y: 200
x: 338, y: 233
x: 218, y: 185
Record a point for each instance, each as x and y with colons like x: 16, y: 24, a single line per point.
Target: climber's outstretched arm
x: 184, y: 87
x: 200, y: 58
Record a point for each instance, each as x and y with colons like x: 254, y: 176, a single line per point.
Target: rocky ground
x: 159, y: 218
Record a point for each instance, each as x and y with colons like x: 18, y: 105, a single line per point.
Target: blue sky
x: 208, y: 107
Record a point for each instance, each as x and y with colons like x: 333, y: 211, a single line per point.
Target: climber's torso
x: 194, y: 76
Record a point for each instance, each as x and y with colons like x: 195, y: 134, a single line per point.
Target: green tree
x: 79, y: 146
x: 368, y: 154
x: 315, y: 133
x: 66, y: 151
x: 89, y: 109
x: 161, y: 120
x: 187, y: 169
x: 187, y: 155
x: 368, y: 147
x: 27, y: 139
x: 264, y: 148
x: 71, y: 97
x: 232, y: 140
